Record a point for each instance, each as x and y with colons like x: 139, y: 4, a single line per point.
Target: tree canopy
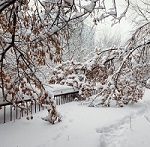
x: 34, y: 31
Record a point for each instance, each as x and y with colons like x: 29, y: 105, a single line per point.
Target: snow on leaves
x: 29, y: 35
x: 114, y: 73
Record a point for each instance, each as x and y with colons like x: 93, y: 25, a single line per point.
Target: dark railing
x: 10, y: 113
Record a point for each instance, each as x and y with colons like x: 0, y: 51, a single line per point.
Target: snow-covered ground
x: 83, y: 126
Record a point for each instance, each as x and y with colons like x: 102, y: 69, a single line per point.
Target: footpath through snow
x: 83, y: 126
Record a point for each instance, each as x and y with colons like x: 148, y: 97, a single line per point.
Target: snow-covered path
x: 82, y: 126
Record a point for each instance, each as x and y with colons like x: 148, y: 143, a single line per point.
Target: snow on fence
x: 62, y: 94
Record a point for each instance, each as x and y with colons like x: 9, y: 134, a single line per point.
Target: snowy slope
x: 83, y: 126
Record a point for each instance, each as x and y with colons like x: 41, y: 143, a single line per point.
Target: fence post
x: 31, y: 106
x: 39, y: 107
x: 16, y: 112
x: 22, y: 112
x: 27, y: 108
x: 4, y: 114
x: 35, y: 105
x: 10, y: 112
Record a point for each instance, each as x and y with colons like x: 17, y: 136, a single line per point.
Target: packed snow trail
x: 81, y: 126
x: 115, y: 135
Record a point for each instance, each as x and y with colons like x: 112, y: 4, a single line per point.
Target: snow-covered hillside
x: 83, y: 126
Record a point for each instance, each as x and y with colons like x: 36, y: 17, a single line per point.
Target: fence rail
x: 10, y: 113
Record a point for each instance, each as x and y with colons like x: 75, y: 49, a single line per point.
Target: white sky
x: 124, y: 28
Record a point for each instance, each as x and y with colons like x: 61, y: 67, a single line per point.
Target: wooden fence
x: 10, y: 113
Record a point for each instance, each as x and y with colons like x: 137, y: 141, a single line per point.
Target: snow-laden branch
x: 5, y: 4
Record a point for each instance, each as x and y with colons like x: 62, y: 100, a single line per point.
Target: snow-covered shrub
x: 53, y: 115
x: 119, y: 78
x: 77, y: 75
